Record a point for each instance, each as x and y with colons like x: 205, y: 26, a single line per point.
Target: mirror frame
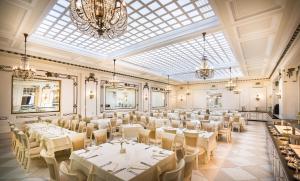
x: 12, y: 91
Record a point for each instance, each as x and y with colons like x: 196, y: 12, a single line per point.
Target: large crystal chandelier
x: 230, y: 84
x: 99, y: 18
x: 205, y: 71
x: 24, y: 71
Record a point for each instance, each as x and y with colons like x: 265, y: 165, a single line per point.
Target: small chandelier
x: 24, y: 71
x: 100, y: 18
x: 236, y: 90
x: 114, y: 82
x: 168, y: 89
x: 230, y: 84
x: 205, y: 71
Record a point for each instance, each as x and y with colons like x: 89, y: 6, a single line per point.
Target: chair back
x: 100, y: 136
x: 236, y: 119
x: 65, y: 172
x: 52, y: 165
x: 190, y: 139
x: 143, y: 136
x: 55, y: 122
x: 74, y: 124
x: 190, y: 125
x: 167, y: 141
x: 78, y: 141
x: 125, y: 120
x: 24, y: 140
x: 206, y: 117
x: 175, y: 123
x: 170, y: 130
x: 176, y: 174
x: 190, y: 163
x: 67, y: 124
x: 295, y: 139
x: 89, y: 130
x: 113, y: 122
x: 81, y: 126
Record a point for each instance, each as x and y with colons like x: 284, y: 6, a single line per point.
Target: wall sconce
x: 92, y: 95
x: 257, y: 97
x: 181, y: 98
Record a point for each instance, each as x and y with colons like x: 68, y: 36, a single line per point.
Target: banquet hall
x: 149, y: 90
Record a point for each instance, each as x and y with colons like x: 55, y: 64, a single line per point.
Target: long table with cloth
x: 206, y: 140
x: 140, y: 162
x: 53, y: 137
x: 104, y: 123
x: 130, y: 131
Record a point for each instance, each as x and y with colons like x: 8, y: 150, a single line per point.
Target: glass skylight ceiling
x: 179, y: 58
x: 146, y: 19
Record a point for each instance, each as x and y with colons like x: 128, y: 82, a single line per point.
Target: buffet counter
x: 277, y: 141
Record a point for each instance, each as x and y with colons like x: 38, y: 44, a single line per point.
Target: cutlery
x: 119, y: 170
x: 108, y: 163
x: 131, y: 171
x: 92, y: 156
x: 147, y: 147
x: 146, y: 164
x: 135, y: 168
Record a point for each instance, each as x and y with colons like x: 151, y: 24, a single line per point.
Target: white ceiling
x: 163, y: 37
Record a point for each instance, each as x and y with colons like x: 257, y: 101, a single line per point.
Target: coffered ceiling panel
x: 254, y: 48
x: 245, y: 8
x: 146, y: 19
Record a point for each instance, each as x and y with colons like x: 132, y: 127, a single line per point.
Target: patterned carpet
x: 243, y: 159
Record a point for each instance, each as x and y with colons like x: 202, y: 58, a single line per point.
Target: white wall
x: 247, y: 97
x: 67, y: 92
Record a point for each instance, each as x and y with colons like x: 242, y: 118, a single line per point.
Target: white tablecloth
x: 136, y: 153
x: 206, y: 140
x: 130, y: 131
x: 104, y: 123
x: 54, y: 137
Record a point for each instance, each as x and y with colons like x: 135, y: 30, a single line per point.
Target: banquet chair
x: 81, y: 127
x: 17, y: 141
x: 13, y: 137
x: 191, y: 162
x: 143, y: 136
x: 20, y: 147
x: 226, y: 131
x: 74, y: 124
x: 55, y: 122
x: 236, y: 123
x: 206, y: 117
x: 100, y: 136
x: 191, y: 144
x: 67, y: 124
x: 125, y: 120
x: 170, y: 130
x: 190, y: 125
x: 113, y: 127
x: 66, y: 174
x: 61, y: 122
x: 168, y: 141
x: 294, y: 139
x: 134, y: 118
x: 78, y: 141
x: 28, y: 152
x: 153, y: 138
x: 175, y: 123
x: 89, y: 133
x: 174, y: 175
x: 143, y: 121
x: 51, y: 164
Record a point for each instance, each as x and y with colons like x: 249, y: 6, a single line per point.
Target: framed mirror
x: 158, y: 99
x: 120, y: 98
x: 35, y: 95
x: 214, y: 100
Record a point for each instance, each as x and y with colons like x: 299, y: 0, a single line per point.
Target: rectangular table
x: 130, y: 131
x: 140, y: 162
x: 55, y: 138
x: 104, y: 123
x: 206, y: 140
